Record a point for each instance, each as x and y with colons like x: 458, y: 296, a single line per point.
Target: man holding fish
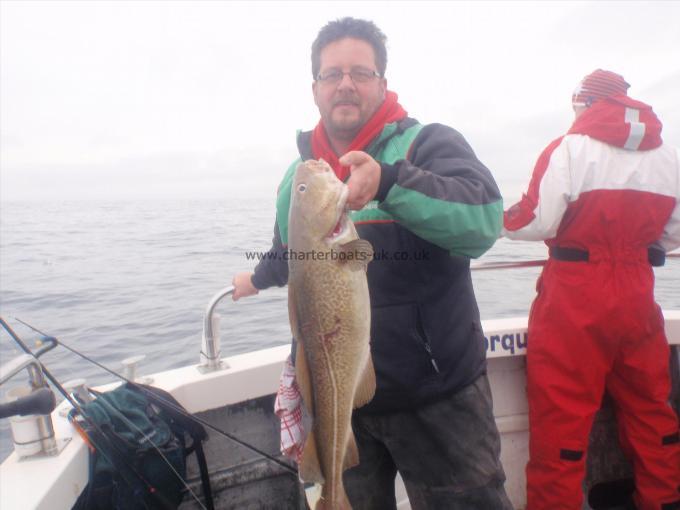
x: 418, y: 197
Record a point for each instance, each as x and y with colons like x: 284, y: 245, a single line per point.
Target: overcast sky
x: 174, y: 99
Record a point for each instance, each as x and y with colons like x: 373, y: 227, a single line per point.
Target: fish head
x: 318, y: 211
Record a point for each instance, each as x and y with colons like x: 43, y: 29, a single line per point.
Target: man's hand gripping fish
x: 329, y: 311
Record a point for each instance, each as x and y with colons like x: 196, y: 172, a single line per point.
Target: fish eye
x: 302, y: 188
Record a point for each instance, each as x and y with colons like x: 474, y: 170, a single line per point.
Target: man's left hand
x: 364, y: 178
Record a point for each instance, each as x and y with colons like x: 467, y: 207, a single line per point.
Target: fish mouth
x: 342, y: 215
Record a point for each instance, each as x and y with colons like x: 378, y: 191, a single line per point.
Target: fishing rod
x: 112, y: 410
x: 174, y: 407
x: 84, y: 415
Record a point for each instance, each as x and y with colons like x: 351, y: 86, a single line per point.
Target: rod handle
x: 41, y: 401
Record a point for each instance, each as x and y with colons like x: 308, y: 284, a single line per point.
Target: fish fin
x: 309, y: 469
x: 366, y: 387
x: 358, y: 254
x: 326, y: 502
x: 292, y: 313
x: 351, y: 453
x: 302, y: 376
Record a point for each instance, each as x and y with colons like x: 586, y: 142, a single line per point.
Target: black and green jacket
x: 437, y: 206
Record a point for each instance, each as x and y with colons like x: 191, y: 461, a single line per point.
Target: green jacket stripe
x: 463, y: 229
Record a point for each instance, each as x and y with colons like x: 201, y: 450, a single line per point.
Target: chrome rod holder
x: 43, y: 423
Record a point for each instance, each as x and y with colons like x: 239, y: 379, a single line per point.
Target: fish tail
x: 333, y: 498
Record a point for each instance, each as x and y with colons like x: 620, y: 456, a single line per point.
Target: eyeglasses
x: 357, y: 74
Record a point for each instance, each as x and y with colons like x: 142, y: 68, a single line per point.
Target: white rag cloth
x: 288, y: 407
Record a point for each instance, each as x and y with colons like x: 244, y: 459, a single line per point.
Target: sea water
x: 121, y: 278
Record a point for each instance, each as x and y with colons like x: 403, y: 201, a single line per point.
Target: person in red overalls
x: 605, y: 197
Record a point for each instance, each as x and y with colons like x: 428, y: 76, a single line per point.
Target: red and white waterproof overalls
x: 600, y: 197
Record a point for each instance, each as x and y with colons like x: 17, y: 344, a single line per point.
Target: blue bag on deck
x: 139, y: 449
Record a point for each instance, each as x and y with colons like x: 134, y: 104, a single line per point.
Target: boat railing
x: 210, y: 357
x: 481, y: 266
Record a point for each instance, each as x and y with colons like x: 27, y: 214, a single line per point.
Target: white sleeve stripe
x: 637, y: 129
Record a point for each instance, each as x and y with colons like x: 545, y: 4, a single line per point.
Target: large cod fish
x: 329, y: 311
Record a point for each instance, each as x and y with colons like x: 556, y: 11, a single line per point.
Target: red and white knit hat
x: 598, y: 85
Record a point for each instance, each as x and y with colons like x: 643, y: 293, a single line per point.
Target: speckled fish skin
x: 329, y: 312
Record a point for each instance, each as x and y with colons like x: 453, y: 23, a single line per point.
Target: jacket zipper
x: 426, y: 344
x: 422, y: 337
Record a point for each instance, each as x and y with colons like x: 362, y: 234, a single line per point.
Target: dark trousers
x: 447, y: 454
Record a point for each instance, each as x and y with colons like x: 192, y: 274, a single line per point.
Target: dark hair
x: 355, y: 29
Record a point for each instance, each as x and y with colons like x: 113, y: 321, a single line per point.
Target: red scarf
x: 389, y: 111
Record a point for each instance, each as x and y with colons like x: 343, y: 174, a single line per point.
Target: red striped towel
x: 288, y: 407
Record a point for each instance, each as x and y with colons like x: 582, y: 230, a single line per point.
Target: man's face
x: 345, y: 106
x: 578, y: 110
